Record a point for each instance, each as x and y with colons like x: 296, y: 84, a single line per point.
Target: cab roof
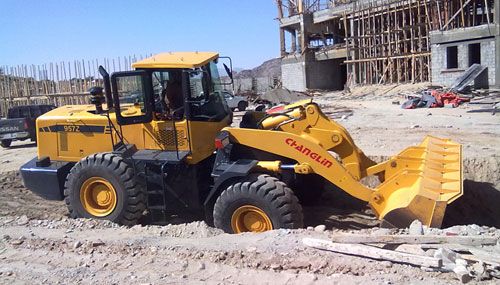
x: 176, y: 60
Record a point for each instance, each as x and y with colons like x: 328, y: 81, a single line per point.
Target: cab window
x: 168, y: 96
x: 132, y: 92
x: 205, y: 98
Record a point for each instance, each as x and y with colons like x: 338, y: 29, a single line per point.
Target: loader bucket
x: 419, y: 183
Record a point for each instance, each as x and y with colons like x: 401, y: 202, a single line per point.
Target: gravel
x: 40, y: 244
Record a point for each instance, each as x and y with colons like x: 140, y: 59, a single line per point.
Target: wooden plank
x: 462, y: 13
x: 469, y: 253
x: 482, y: 258
x: 414, y: 239
x: 423, y: 54
x: 449, y: 246
x: 373, y: 253
x: 488, y: 10
x: 439, y: 16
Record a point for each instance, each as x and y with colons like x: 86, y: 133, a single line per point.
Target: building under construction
x: 327, y: 44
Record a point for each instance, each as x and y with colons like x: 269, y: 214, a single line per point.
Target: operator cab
x: 170, y: 102
x: 169, y: 86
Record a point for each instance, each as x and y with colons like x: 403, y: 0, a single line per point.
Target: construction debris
x: 281, y: 96
x: 490, y: 99
x: 374, y: 253
x: 435, y: 99
x: 416, y: 239
x: 467, y: 256
x: 470, y: 76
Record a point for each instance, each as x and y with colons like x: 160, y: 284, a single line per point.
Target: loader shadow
x: 173, y: 218
x: 342, y: 219
x: 335, y: 209
x: 338, y: 210
x: 479, y: 205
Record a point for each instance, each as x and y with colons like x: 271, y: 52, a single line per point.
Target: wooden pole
x: 488, y: 10
x: 374, y: 253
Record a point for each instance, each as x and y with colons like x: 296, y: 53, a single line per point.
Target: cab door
x: 133, y: 97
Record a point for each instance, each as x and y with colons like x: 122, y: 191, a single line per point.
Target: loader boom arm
x: 311, y: 124
x: 418, y: 183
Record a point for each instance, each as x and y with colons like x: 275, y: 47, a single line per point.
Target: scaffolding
x: 57, y: 83
x: 386, y: 41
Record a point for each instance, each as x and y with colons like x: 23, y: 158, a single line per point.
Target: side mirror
x: 229, y: 70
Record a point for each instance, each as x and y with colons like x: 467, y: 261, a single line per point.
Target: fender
x: 237, y: 169
x: 225, y: 173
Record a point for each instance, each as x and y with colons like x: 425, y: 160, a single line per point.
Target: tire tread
x: 267, y: 189
x: 135, y: 203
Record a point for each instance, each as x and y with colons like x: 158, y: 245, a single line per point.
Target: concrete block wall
x: 300, y: 74
x: 259, y: 84
x: 243, y: 84
x: 263, y: 84
x: 443, y: 76
x: 488, y: 58
x: 293, y: 74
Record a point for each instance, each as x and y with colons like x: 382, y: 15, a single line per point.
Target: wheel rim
x: 98, y: 196
x: 249, y: 218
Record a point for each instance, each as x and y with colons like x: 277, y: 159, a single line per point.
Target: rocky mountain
x: 270, y: 68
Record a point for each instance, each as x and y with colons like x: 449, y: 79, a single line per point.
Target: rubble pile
x: 471, y: 252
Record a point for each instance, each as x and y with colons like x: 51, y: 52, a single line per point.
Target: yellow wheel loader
x: 156, y: 141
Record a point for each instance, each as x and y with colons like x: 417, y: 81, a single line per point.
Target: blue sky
x: 42, y: 31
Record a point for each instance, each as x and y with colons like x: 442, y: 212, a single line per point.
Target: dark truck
x: 20, y: 123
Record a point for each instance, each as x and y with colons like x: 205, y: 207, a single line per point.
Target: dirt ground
x: 40, y: 244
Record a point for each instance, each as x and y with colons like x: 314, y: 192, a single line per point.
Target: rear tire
x: 261, y: 196
x: 122, y: 201
x: 5, y: 143
x: 242, y: 106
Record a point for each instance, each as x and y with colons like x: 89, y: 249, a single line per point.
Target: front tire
x: 103, y: 186
x: 5, y: 143
x: 257, y: 204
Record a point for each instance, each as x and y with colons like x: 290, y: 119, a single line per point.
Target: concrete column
x: 302, y: 36
x: 282, y: 42
x: 497, y: 44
